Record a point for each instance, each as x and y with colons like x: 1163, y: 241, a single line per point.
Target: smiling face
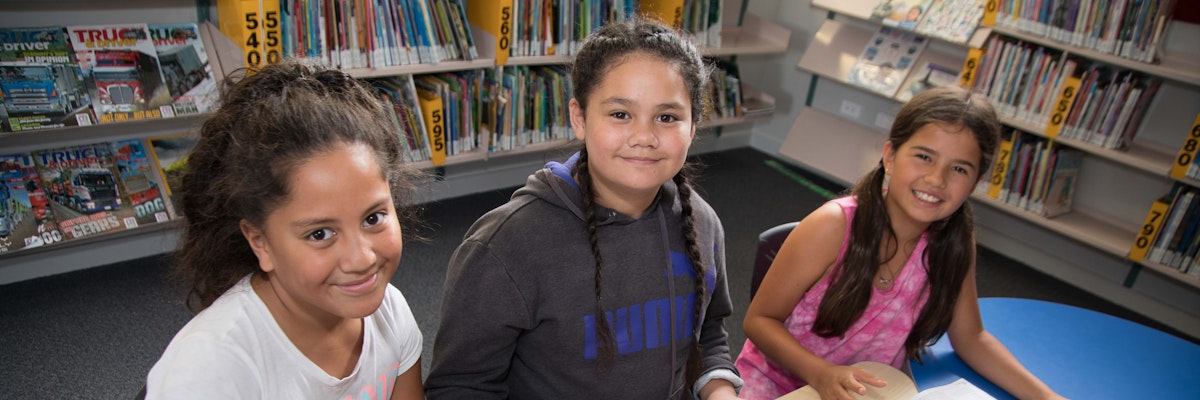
x: 637, y: 129
x: 932, y: 174
x: 331, y: 248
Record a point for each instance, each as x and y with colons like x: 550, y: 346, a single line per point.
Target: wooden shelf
x: 840, y: 149
x: 755, y: 36
x: 1145, y: 157
x: 540, y: 60
x: 45, y: 138
x: 448, y: 66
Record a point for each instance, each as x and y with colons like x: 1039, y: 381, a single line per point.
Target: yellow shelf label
x: 990, y: 9
x: 1187, y: 153
x: 1062, y: 106
x: 254, y: 25
x: 999, y: 172
x: 1154, y: 221
x: 970, y: 68
x: 435, y: 124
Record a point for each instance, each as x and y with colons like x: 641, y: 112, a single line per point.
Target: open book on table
x: 900, y: 387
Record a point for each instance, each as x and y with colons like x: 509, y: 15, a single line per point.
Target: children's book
x: 886, y: 60
x: 901, y: 387
x: 905, y: 14
x: 185, y: 68
x: 122, y: 72
x: 929, y: 76
x: 41, y: 83
x: 26, y: 219
x: 953, y: 20
x: 170, y: 156
x: 1060, y: 185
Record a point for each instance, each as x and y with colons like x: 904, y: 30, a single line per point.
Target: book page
x: 957, y: 390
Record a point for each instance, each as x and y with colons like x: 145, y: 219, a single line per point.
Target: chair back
x: 769, y: 242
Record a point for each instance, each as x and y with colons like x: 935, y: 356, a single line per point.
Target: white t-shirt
x: 234, y: 349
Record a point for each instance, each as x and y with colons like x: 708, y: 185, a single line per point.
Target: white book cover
x: 887, y: 59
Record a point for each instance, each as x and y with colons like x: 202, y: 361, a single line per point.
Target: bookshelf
x: 461, y: 174
x: 1087, y: 247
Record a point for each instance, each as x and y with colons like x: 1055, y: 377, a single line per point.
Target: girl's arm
x: 718, y: 389
x: 806, y: 256
x: 984, y: 353
x: 481, y: 317
x: 408, y: 384
x: 720, y: 373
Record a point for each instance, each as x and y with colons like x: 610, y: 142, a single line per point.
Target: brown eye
x: 374, y: 219
x: 320, y: 234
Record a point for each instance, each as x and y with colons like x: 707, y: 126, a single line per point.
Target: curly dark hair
x: 270, y: 121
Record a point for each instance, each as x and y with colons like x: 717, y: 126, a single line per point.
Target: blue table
x: 1081, y: 354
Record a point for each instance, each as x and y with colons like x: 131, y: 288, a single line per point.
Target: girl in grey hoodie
x: 604, y: 276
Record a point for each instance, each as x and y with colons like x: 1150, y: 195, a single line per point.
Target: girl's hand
x: 838, y: 382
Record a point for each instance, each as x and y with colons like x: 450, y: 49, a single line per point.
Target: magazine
x: 170, y: 155
x: 122, y: 72
x: 42, y: 84
x: 26, y: 220
x: 185, y: 68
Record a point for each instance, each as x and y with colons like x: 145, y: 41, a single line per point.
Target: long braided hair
x: 950, y: 248
x: 270, y: 121
x: 600, y: 53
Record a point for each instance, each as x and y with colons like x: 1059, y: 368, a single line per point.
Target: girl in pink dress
x: 883, y: 272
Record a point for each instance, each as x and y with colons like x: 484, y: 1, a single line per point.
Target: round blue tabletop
x: 1081, y: 354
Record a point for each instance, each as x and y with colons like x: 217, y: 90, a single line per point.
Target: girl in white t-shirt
x: 292, y: 198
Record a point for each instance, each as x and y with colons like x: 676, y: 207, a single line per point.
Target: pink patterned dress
x: 877, y: 336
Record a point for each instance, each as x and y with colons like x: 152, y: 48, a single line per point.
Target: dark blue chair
x: 769, y: 242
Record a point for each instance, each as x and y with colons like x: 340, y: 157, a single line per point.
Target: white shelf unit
x: 1087, y: 247
x: 481, y: 169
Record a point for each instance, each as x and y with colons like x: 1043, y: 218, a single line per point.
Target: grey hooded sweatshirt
x: 518, y: 314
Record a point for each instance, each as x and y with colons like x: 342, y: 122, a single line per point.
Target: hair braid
x: 695, y: 363
x: 589, y: 212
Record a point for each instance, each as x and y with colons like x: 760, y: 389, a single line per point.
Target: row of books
x: 58, y: 76
x: 1131, y: 29
x: 362, y: 34
x: 1034, y: 174
x: 556, y: 27
x: 1174, y: 231
x: 951, y: 20
x: 57, y: 195
x: 505, y: 108
x: 725, y: 91
x: 1027, y: 82
x: 373, y: 34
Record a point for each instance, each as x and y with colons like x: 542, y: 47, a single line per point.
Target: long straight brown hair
x: 950, y: 249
